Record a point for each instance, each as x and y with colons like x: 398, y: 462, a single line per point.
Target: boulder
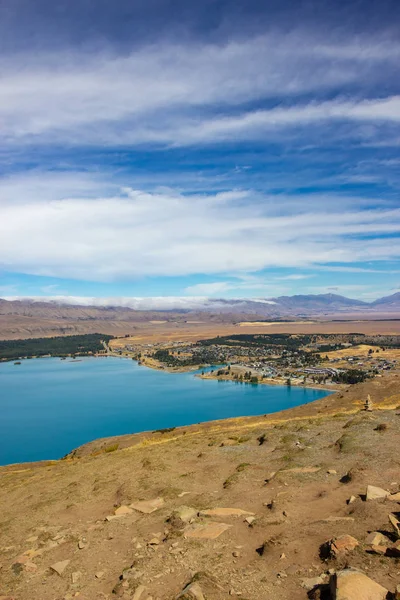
x: 350, y: 584
x: 376, y: 493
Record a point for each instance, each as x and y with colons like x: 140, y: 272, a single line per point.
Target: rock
x: 351, y: 584
x: 59, y: 567
x: 228, y: 443
x: 99, y: 574
x: 224, y: 512
x: 139, y: 592
x: 30, y: 567
x: 270, y: 476
x: 310, y: 583
x: 235, y: 554
x: 332, y: 472
x: 375, y: 493
x: 210, y: 531
x: 302, y: 470
x: 123, y: 510
x: 185, y: 513
x: 395, y: 523
x: 377, y: 539
x: 76, y: 575
x: 31, y: 540
x: 192, y: 591
x: 341, y: 545
x: 183, y: 494
x: 250, y: 520
x: 81, y: 544
x: 148, y: 506
x: 397, y: 593
x: 376, y: 549
x: 335, y: 520
x: 154, y: 542
x: 351, y: 499
x: 392, y: 497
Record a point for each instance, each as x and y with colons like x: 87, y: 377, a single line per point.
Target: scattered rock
x: 302, y: 470
x: 310, y: 583
x: 375, y: 493
x: 123, y: 510
x: 76, y: 575
x: 148, y: 506
x: 185, y: 513
x: 392, y: 497
x: 395, y: 524
x: 192, y: 591
x: 351, y: 584
x: 59, y: 567
x: 338, y: 546
x: 138, y: 592
x: 224, y: 512
x: 375, y: 538
x: 210, y: 531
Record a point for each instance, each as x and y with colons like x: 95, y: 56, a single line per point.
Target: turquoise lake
x: 50, y: 406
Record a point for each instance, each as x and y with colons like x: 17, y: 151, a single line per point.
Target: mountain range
x: 41, y: 317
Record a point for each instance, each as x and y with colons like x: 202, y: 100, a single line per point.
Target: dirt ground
x: 321, y: 454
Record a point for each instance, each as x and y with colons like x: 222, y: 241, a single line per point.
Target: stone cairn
x: 368, y: 404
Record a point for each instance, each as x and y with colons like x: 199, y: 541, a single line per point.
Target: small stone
x: 192, y: 591
x: 81, y: 545
x: 154, y: 542
x: 250, y: 520
x: 376, y: 549
x: 138, y: 592
x: 123, y: 510
x: 210, y: 531
x: 59, y: 567
x: 309, y: 583
x: 148, y: 506
x: 351, y: 584
x: 351, y: 499
x: 236, y: 554
x: 185, y: 513
x: 375, y: 493
x: 99, y: 574
x: 270, y: 476
x: 76, y: 575
x: 332, y: 472
x: 376, y: 539
x: 282, y: 556
x: 341, y: 545
x: 395, y: 523
x: 224, y: 512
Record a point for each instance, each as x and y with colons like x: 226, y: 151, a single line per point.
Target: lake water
x: 50, y: 406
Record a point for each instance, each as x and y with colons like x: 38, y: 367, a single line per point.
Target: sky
x: 166, y: 148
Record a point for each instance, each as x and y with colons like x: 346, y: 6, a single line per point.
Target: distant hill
x: 37, y: 317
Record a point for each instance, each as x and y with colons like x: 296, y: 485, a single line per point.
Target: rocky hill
x: 301, y: 504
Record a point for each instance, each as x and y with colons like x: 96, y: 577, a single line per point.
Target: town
x: 276, y: 358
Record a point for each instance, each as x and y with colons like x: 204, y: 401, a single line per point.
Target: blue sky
x: 210, y: 149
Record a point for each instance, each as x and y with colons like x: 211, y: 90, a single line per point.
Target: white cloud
x: 136, y: 233
x: 163, y: 93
